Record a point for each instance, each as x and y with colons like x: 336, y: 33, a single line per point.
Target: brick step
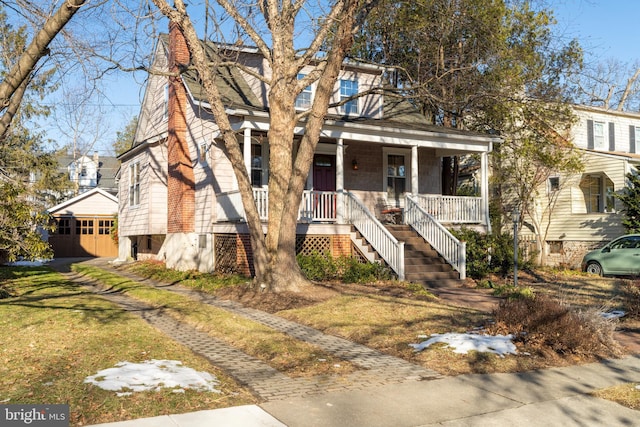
x: 416, y: 259
x: 434, y: 276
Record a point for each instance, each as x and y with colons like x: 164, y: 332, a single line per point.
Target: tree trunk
x: 274, y: 254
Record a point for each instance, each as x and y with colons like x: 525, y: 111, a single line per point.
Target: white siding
x: 152, y: 120
x: 570, y: 220
x: 621, y: 122
x: 150, y: 215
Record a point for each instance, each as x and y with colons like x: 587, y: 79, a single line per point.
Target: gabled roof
x: 82, y: 196
x: 107, y: 168
x: 238, y: 94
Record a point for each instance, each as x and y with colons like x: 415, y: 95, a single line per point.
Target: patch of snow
x: 463, y: 343
x: 36, y: 263
x: 152, y: 375
x: 615, y: 314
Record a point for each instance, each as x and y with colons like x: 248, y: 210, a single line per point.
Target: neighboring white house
x: 586, y: 213
x: 88, y: 172
x: 375, y: 152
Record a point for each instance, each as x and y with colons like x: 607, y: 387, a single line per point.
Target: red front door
x: 324, y: 172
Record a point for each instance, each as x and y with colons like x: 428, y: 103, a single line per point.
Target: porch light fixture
x: 354, y: 164
x: 516, y: 220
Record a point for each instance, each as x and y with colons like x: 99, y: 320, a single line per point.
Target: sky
x: 605, y: 28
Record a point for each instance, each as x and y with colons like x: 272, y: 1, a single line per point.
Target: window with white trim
x: 257, y: 162
x: 303, y: 101
x: 349, y: 88
x: 396, y: 172
x: 598, y: 192
x: 598, y: 135
x: 134, y: 184
x: 553, y: 184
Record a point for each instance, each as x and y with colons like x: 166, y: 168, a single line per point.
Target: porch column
x: 484, y: 189
x: 340, y: 181
x: 414, y: 170
x: 246, y: 148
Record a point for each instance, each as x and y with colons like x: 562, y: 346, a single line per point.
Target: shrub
x: 347, y: 269
x: 631, y: 298
x: 542, y: 322
x: 488, y: 253
x: 477, y: 252
x: 317, y: 266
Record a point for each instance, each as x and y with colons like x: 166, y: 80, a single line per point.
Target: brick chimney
x: 181, y: 180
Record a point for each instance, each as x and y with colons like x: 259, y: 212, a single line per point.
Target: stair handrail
x: 441, y: 239
x: 381, y: 239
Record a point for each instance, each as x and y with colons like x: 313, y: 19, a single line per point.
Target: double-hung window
x: 396, y: 176
x: 348, y: 89
x: 257, y: 162
x: 134, y: 184
x: 598, y: 192
x: 598, y: 135
x: 303, y: 101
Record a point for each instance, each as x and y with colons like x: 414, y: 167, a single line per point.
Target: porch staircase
x: 422, y: 263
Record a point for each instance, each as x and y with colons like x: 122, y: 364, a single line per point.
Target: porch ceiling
x: 384, y: 133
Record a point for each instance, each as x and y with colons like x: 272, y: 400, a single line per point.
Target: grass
x: 626, y: 395
x: 59, y: 333
x: 293, y: 357
x: 56, y: 333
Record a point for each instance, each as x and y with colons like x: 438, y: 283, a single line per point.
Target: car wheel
x: 594, y: 268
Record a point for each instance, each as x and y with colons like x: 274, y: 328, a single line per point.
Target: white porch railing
x: 389, y: 248
x: 315, y: 205
x: 452, y: 209
x: 447, y: 245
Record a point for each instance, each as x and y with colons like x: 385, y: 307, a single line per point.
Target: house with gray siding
x: 378, y: 162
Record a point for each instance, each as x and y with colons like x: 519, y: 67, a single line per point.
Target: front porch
x: 334, y: 213
x: 328, y: 207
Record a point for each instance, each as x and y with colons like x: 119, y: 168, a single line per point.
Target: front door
x: 324, y: 172
x: 324, y: 179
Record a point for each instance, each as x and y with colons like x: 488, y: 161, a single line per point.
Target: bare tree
x: 611, y: 84
x: 272, y: 27
x: 14, y: 84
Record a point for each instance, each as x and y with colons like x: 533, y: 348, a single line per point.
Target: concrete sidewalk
x: 550, y: 397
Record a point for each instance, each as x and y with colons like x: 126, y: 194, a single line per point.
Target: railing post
x: 463, y: 260
x: 400, y: 260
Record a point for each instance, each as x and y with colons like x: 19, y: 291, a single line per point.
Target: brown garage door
x: 83, y: 237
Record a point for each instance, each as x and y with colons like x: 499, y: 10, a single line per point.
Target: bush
x: 477, y: 252
x: 631, y: 298
x: 347, y: 269
x: 317, y: 267
x: 487, y: 253
x: 542, y: 322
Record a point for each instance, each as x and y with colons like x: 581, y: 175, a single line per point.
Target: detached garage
x: 84, y: 226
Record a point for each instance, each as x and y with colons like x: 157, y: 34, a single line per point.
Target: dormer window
x: 303, y: 101
x: 348, y: 89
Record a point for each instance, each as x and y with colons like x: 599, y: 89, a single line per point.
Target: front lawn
x: 55, y: 334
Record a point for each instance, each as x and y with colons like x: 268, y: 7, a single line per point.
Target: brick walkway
x: 265, y: 382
